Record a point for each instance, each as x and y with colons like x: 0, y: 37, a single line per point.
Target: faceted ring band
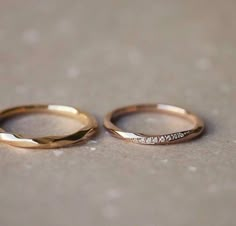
x: 140, y: 138
x: 89, y: 128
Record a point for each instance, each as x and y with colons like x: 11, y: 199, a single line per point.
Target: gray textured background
x: 100, y: 55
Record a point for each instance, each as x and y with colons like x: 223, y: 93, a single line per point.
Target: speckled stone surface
x: 100, y: 55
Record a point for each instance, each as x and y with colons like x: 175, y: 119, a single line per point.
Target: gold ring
x: 140, y: 138
x: 89, y: 129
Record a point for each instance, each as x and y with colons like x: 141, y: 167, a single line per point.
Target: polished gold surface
x: 140, y: 138
x: 89, y: 129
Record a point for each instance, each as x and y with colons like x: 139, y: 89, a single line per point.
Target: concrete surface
x: 100, y: 55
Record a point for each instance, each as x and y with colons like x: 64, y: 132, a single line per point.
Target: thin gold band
x: 17, y: 140
x: 141, y: 138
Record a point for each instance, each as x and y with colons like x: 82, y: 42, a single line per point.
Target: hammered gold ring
x: 89, y: 128
x: 140, y: 138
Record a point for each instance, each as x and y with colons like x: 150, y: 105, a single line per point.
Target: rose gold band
x: 140, y: 138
